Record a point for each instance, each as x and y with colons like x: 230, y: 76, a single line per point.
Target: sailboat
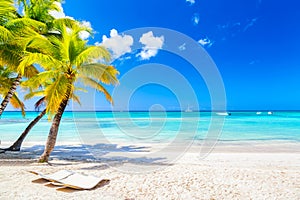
x: 188, y: 109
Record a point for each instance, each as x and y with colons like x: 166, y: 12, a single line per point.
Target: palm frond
x: 94, y: 84
x: 5, y: 75
x: 43, y: 78
x: 60, y: 47
x: 56, y: 93
x: 45, y: 61
x: 39, y: 9
x: 17, y: 103
x: 10, y: 55
x: 76, y: 99
x: 80, y: 89
x: 40, y: 44
x: 104, y: 73
x: 39, y: 103
x: 90, y: 54
x: 21, y: 23
x: 54, y: 5
x: 58, y: 24
x: 5, y: 34
x: 30, y: 71
x: 32, y: 94
x: 7, y: 6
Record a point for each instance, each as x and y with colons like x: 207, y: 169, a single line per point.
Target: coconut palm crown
x: 66, y: 60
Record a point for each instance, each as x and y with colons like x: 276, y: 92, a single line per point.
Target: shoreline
x: 250, y: 146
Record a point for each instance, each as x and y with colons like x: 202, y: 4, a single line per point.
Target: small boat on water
x: 223, y: 113
x: 270, y: 113
x: 188, y: 109
x: 258, y: 113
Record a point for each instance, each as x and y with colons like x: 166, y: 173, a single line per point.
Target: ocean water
x: 157, y: 127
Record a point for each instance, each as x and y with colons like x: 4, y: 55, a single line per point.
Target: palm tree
x: 36, y: 21
x: 6, y: 81
x: 6, y: 10
x: 66, y: 60
x: 16, y: 30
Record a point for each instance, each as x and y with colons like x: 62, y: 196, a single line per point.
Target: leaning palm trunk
x: 18, y: 143
x: 10, y: 93
x: 50, y: 144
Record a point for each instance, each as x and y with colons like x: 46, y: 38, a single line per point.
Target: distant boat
x: 188, y: 109
x: 270, y: 113
x: 258, y: 113
x: 223, y: 113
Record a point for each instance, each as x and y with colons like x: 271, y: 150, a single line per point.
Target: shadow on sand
x: 111, y: 154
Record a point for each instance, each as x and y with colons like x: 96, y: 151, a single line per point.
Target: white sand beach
x: 230, y: 174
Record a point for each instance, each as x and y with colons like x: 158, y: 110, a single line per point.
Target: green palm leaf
x: 42, y: 79
x: 94, y: 84
x: 90, y: 54
x: 66, y: 59
x: 45, y: 61
x: 7, y: 6
x: 55, y: 93
x: 21, y: 23
x: 17, y: 103
x: 104, y: 73
x: 5, y: 34
x: 31, y: 94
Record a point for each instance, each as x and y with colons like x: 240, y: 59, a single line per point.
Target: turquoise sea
x: 158, y: 126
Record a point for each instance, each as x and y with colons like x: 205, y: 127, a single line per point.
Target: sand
x: 221, y: 175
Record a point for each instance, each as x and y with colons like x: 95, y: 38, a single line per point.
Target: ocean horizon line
x: 270, y: 110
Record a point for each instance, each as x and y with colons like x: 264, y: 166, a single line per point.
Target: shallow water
x: 157, y: 127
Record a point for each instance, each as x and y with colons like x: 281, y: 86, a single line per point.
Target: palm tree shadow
x: 97, y: 153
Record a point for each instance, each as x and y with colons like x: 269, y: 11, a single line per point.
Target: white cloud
x: 151, y: 45
x: 182, y: 47
x: 210, y: 44
x: 196, y: 19
x: 84, y: 34
x: 86, y: 24
x: 206, y: 42
x: 58, y: 14
x: 117, y: 44
x: 192, y: 2
x: 252, y: 62
x: 251, y: 23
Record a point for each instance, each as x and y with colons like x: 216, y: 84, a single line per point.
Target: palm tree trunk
x: 10, y: 93
x: 50, y: 144
x: 18, y: 143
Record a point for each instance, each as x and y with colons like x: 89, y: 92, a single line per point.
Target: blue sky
x: 255, y: 45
